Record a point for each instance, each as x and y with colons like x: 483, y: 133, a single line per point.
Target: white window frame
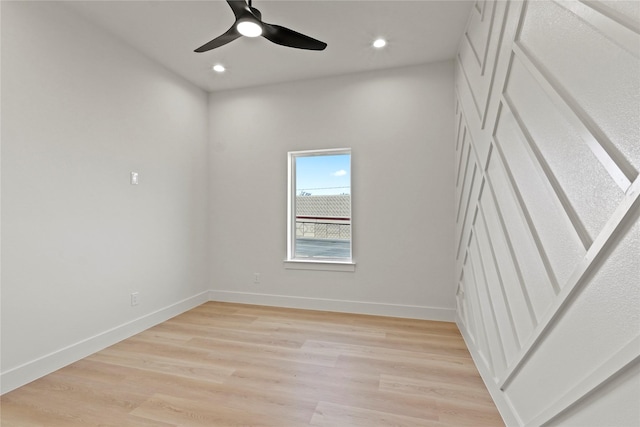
x: 291, y: 262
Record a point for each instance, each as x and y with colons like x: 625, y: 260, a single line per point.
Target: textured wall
x: 548, y: 240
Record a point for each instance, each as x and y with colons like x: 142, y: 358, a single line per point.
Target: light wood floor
x: 241, y: 365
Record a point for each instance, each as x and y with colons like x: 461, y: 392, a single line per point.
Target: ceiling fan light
x: 249, y: 28
x: 379, y: 43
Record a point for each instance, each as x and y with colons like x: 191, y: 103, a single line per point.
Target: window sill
x: 300, y: 264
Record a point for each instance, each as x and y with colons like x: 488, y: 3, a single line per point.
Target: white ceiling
x: 418, y: 32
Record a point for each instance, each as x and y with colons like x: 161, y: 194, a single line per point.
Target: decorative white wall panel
x: 548, y: 239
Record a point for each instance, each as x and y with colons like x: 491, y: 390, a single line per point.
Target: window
x: 319, y: 207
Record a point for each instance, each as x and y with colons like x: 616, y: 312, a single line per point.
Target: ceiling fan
x: 249, y: 23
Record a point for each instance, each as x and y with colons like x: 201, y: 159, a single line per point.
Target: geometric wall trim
x: 548, y: 241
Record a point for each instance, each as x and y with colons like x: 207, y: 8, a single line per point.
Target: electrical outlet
x: 256, y: 277
x: 135, y: 298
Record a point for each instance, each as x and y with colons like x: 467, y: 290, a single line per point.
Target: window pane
x: 323, y: 206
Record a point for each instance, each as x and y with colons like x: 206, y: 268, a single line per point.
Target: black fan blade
x: 286, y: 37
x: 227, y: 37
x: 239, y: 7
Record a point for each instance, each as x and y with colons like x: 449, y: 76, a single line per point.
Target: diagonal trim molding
x: 616, y: 365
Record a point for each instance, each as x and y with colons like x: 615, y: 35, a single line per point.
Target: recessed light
x: 219, y: 68
x: 379, y: 43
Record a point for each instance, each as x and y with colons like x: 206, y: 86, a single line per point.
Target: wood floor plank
x: 173, y: 366
x: 331, y: 414
x: 248, y: 351
x: 234, y: 333
x: 440, y: 391
x: 224, y: 364
x: 462, y: 362
x: 305, y: 326
x: 411, y: 368
x: 60, y: 400
x: 225, y: 397
x: 190, y: 412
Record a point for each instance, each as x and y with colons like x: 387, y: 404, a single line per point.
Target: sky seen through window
x: 323, y: 175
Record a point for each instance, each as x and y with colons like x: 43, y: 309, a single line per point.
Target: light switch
x: 134, y: 178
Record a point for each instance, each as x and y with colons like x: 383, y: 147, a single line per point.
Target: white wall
x: 398, y: 124
x: 80, y: 111
x: 548, y: 237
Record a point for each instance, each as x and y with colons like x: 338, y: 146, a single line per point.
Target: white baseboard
x: 37, y: 368
x: 358, y: 307
x: 51, y: 362
x: 509, y: 416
